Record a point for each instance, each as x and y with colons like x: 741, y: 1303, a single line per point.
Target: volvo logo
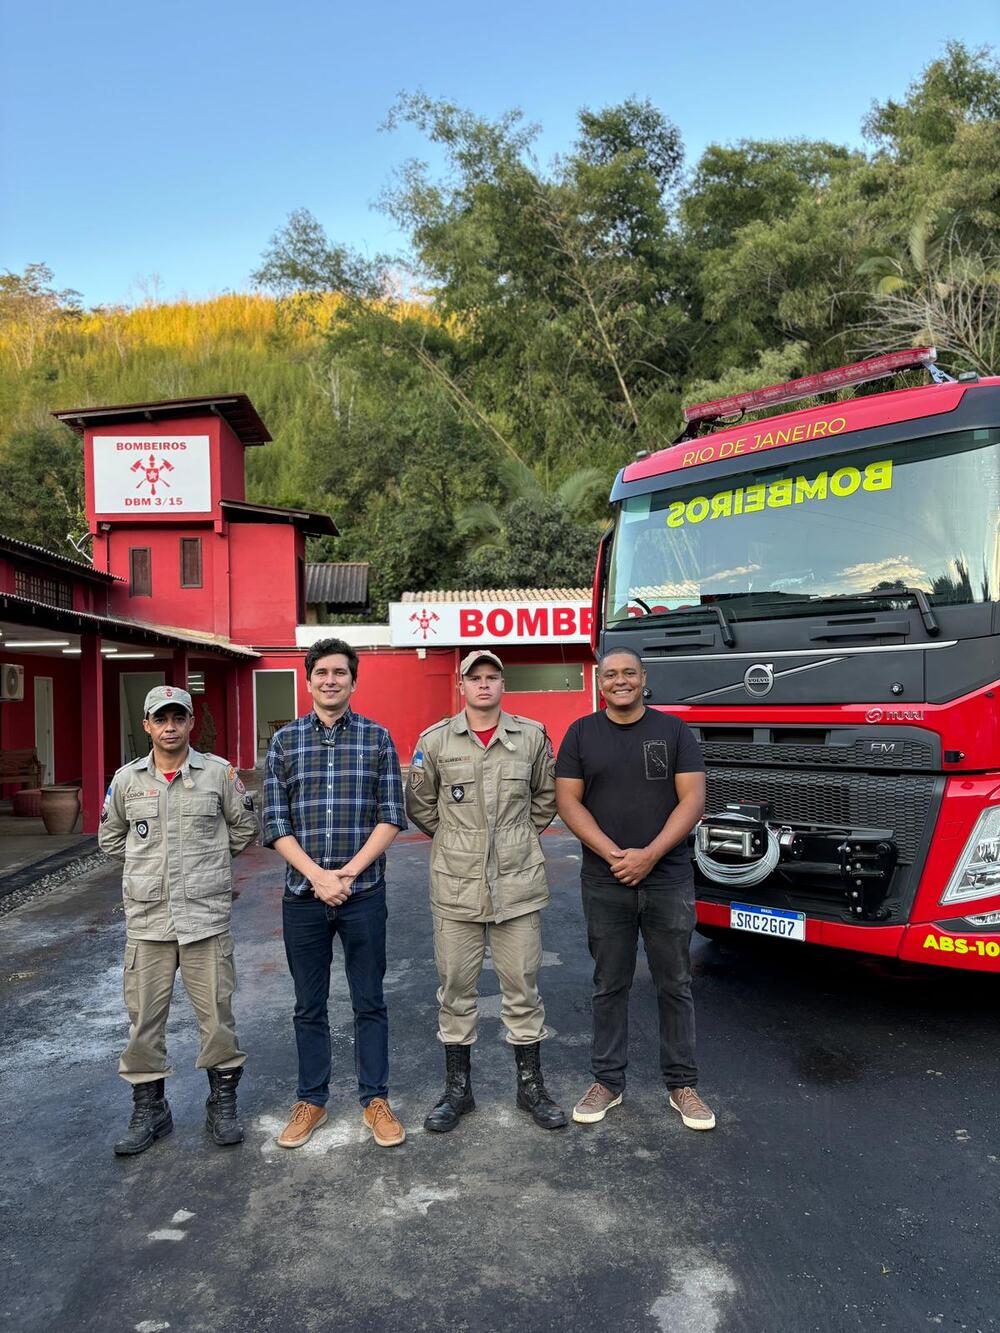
x: 759, y: 678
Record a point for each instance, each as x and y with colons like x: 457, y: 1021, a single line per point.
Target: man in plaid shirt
x: 333, y: 802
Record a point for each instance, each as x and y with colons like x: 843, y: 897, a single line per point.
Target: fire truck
x: 817, y: 594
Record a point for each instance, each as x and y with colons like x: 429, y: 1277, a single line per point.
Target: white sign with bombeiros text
x: 135, y: 474
x: 445, y: 624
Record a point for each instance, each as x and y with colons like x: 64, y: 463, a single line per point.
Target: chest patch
x: 458, y: 792
x: 657, y: 760
x: 142, y: 828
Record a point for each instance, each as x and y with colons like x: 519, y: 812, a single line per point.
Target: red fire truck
x: 818, y: 595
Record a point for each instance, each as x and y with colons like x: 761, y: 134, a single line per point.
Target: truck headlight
x: 977, y: 870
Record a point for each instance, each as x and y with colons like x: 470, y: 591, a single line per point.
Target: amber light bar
x: 825, y: 382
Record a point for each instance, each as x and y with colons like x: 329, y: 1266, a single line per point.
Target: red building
x: 192, y: 585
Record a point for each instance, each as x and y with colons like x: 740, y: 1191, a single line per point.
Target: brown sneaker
x: 691, y: 1109
x: 595, y: 1103
x: 304, y: 1119
x: 386, y: 1129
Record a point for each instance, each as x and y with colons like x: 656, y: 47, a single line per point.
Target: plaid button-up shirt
x: 328, y: 787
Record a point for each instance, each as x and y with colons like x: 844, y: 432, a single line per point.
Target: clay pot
x: 60, y: 808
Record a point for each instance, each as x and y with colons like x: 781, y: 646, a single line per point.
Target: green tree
x: 41, y: 500
x: 540, y: 545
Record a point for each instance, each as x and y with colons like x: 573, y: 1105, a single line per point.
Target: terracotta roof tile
x: 499, y: 595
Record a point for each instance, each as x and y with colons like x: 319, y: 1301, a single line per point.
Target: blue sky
x: 140, y: 139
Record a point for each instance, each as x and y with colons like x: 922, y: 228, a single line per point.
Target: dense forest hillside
x: 563, y: 316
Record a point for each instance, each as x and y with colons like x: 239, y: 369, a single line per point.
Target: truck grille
x: 901, y: 802
x: 904, y: 754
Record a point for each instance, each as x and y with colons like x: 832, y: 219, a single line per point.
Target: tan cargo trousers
x: 209, y: 977
x: 516, y: 949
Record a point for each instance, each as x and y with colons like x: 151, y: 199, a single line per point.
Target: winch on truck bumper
x: 755, y: 846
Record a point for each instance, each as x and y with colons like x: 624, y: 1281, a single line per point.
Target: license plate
x: 767, y: 921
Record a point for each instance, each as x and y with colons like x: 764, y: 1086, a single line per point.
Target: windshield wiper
x: 709, y: 608
x: 919, y: 596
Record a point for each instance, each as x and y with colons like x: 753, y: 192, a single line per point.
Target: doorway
x: 273, y: 705
x: 133, y: 688
x: 44, y: 744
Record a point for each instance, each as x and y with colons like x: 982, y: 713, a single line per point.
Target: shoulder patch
x: 418, y: 759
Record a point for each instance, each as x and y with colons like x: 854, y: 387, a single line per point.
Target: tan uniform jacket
x: 177, y: 840
x: 484, y: 808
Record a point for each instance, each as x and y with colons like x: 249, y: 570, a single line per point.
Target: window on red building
x: 40, y: 588
x: 140, y: 572
x: 190, y: 562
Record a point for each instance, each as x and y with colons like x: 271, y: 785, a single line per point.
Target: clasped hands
x: 632, y: 865
x: 333, y: 886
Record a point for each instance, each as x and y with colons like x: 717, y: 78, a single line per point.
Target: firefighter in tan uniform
x: 176, y: 818
x: 482, y: 786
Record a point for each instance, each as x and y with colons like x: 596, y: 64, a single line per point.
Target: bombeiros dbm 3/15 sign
x: 446, y: 624
x: 136, y: 474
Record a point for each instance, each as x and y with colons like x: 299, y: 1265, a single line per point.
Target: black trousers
x: 665, y: 916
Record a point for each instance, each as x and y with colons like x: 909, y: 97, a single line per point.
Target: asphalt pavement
x: 851, y: 1183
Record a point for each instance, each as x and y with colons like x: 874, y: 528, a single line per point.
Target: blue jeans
x: 615, y: 916
x: 309, y: 928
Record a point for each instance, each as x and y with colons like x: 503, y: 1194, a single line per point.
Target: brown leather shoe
x: 595, y: 1103
x: 386, y: 1129
x: 304, y: 1119
x: 691, y: 1109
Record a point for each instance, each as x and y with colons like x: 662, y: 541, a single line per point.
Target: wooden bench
x: 20, y: 766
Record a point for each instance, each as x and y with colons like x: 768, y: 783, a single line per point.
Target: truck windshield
x: 776, y: 541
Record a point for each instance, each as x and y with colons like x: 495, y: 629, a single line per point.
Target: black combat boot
x: 456, y: 1100
x: 151, y: 1119
x: 531, y: 1094
x: 221, y: 1119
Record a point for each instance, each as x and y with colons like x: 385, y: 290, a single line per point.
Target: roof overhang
x: 39, y: 616
x: 235, y: 409
x: 52, y: 560
x: 309, y: 521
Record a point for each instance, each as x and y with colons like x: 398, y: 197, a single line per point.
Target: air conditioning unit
x: 11, y: 682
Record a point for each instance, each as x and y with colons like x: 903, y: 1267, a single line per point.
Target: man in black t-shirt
x: 630, y: 783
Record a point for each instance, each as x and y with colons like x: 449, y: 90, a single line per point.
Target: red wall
x: 262, y: 561
x: 17, y: 720
x: 232, y: 479
x: 170, y: 604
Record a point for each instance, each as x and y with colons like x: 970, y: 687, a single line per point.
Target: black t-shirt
x: 628, y: 783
